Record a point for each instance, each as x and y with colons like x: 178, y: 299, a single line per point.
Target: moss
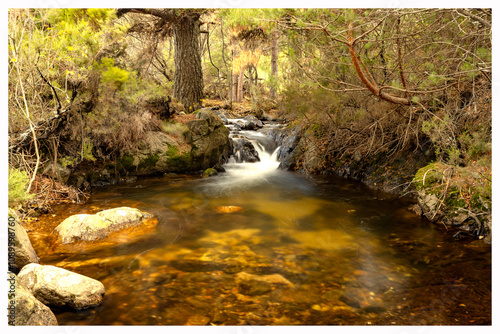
x: 149, y: 162
x: 453, y: 199
x: 429, y: 176
x: 127, y: 162
x: 173, y: 151
x: 181, y: 162
x: 18, y: 182
x: 209, y: 172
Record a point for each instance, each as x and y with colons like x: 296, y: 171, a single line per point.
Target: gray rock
x: 61, y: 173
x: 253, y: 122
x: 244, y: 151
x: 59, y: 287
x: 92, y: 227
x: 429, y: 204
x: 224, y: 119
x: 21, y: 248
x: 24, y: 309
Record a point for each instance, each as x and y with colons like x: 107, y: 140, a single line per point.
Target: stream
x: 260, y: 246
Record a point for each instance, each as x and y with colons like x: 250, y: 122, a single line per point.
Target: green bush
x: 18, y: 182
x: 87, y: 151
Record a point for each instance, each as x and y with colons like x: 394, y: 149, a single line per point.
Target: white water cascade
x: 241, y: 175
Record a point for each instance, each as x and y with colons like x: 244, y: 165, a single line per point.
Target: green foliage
x: 440, y: 132
x: 112, y: 75
x: 86, y: 153
x: 67, y: 161
x: 427, y: 177
x: 18, y: 183
x: 127, y: 162
x: 476, y: 145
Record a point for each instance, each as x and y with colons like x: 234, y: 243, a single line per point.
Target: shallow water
x: 260, y: 246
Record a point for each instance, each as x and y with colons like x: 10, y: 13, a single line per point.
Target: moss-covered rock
x: 456, y: 196
x: 199, y: 146
x: 209, y: 172
x: 209, y: 139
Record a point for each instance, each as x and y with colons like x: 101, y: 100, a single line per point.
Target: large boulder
x: 160, y: 152
x: 24, y: 309
x: 209, y: 139
x: 21, y: 251
x: 92, y: 227
x: 59, y: 287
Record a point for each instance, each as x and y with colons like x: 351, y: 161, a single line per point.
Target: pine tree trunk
x: 239, y: 96
x: 235, y: 87
x: 274, y: 65
x: 188, y: 83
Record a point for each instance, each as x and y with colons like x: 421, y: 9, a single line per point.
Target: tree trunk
x: 274, y: 65
x: 188, y: 83
x: 239, y: 96
x: 235, y: 87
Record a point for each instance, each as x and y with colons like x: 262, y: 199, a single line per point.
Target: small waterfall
x: 254, y: 155
x: 253, y: 161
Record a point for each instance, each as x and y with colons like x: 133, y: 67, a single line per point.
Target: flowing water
x: 261, y: 246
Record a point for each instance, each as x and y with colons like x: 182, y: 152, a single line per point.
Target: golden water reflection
x: 329, y: 252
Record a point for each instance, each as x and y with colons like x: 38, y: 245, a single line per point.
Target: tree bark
x: 188, y: 79
x: 274, y: 64
x: 367, y: 78
x: 239, y: 95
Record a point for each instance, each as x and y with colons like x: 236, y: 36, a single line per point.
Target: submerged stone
x: 253, y: 287
x: 198, y: 320
x: 92, y: 227
x: 60, y: 287
x: 272, y: 279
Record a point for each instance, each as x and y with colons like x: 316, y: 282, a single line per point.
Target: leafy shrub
x: 18, y: 182
x: 87, y: 151
x: 112, y: 75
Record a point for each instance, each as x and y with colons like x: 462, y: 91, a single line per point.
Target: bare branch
x: 474, y: 17
x: 371, y: 85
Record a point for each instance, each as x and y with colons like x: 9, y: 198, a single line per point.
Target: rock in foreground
x: 22, y: 250
x: 92, y: 227
x: 25, y: 309
x: 59, y: 287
